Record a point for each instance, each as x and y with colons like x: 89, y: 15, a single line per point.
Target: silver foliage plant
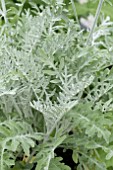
x: 53, y: 83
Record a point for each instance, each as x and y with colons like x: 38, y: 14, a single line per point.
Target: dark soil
x: 67, y: 157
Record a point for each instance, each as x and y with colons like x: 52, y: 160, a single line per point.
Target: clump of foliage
x: 55, y: 91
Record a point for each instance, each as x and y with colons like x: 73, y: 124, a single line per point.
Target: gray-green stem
x: 95, y: 21
x: 75, y: 11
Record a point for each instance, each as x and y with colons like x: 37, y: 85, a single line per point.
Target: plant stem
x: 95, y: 21
x: 21, y: 8
x: 75, y: 11
x: 4, y: 10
